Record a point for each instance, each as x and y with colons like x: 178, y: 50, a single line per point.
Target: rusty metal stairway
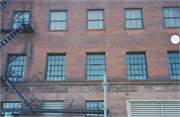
x: 15, y: 82
x: 4, y: 3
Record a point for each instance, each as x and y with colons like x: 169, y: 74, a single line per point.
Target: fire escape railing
x: 10, y: 28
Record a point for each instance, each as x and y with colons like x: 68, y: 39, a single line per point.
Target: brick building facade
x: 115, y: 42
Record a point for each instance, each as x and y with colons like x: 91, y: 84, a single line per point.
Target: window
x: 95, y: 66
x: 17, y: 64
x: 58, y: 20
x: 95, y: 19
x: 10, y: 105
x: 171, y: 17
x: 133, y: 18
x: 20, y: 18
x: 94, y: 105
x: 136, y: 66
x: 56, y: 67
x: 53, y: 105
x: 173, y: 59
x: 153, y: 108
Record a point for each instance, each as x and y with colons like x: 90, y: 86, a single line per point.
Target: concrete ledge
x: 99, y: 82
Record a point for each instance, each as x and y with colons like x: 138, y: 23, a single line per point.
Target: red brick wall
x: 77, y: 41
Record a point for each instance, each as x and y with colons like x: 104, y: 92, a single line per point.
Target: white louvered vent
x: 171, y: 109
x: 153, y: 109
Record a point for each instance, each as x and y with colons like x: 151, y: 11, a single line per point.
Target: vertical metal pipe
x: 105, y: 99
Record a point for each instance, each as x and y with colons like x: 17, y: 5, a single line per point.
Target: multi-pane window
x: 20, y: 18
x: 10, y: 105
x: 133, y: 18
x: 95, y: 66
x: 53, y: 105
x: 173, y: 59
x: 95, y: 19
x: 56, y: 67
x: 58, y: 20
x: 94, y: 105
x: 136, y: 66
x: 16, y: 63
x: 171, y: 17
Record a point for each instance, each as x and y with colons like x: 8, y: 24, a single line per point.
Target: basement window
x: 53, y: 105
x: 136, y: 66
x: 56, y: 67
x: 94, y: 105
x: 95, y: 66
x: 16, y: 63
x: 10, y: 105
x: 173, y: 60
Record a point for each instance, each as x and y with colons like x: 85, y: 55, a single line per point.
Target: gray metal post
x: 105, y: 99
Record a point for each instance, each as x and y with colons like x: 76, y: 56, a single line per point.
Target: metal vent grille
x: 154, y: 109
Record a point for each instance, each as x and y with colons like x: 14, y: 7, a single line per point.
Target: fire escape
x: 4, y: 3
x: 20, y: 23
x: 24, y: 23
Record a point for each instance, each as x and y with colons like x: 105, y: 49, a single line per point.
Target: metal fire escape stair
x: 4, y: 3
x: 12, y: 34
x: 32, y: 105
x: 15, y: 82
x: 15, y: 27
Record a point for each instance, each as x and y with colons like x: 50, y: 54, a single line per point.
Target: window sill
x: 95, y: 30
x: 134, y: 28
x: 56, y: 30
x: 170, y: 27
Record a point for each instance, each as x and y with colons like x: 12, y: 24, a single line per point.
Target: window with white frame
x: 53, y: 105
x: 153, y: 108
x: 171, y: 17
x: 10, y: 105
x: 58, y: 20
x: 94, y: 105
x: 95, y: 19
x: 173, y: 59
